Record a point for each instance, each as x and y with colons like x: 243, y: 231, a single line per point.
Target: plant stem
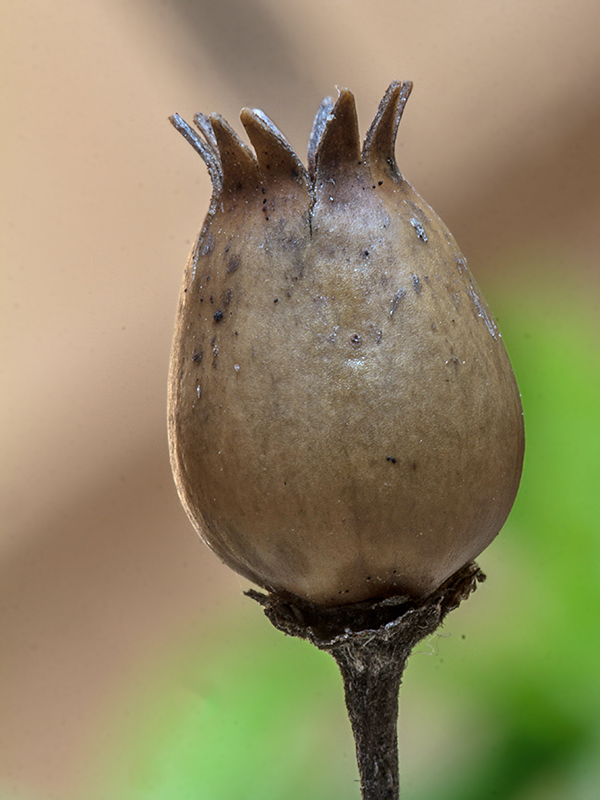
x: 371, y: 643
x: 372, y: 673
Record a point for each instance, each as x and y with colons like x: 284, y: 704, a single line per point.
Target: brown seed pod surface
x: 344, y: 420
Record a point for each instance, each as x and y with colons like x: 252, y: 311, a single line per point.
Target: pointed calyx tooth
x: 380, y: 142
x: 202, y: 122
x: 206, y: 149
x: 240, y: 169
x: 317, y: 132
x: 276, y: 158
x: 339, y: 146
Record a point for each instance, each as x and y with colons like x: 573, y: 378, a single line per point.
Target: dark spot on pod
x: 233, y: 264
x: 218, y: 316
x: 417, y: 286
x: 366, y: 253
x: 355, y: 339
x: 197, y: 357
x: 380, y: 183
x: 390, y: 458
x: 276, y: 300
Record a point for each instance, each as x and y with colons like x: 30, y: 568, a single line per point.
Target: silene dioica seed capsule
x: 344, y: 421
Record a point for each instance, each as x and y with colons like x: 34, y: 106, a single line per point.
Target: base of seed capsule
x: 371, y: 643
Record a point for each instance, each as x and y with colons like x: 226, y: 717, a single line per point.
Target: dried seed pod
x: 344, y: 421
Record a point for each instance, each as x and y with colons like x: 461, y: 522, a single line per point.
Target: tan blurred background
x: 101, y: 201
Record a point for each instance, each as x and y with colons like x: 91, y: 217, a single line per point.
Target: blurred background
x: 131, y: 665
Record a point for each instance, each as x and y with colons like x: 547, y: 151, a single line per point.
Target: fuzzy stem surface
x: 371, y: 643
x: 372, y: 674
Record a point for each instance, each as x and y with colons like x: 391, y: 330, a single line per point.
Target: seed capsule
x: 343, y: 417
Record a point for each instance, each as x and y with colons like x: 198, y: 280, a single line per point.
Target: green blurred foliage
x: 240, y: 713
x: 503, y: 703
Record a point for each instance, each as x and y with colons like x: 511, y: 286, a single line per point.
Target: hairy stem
x: 371, y: 643
x: 372, y: 673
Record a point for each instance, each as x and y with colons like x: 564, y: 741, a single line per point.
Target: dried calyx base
x: 371, y: 643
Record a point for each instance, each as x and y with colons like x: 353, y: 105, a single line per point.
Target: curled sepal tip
x: 202, y: 122
x: 380, y: 141
x: 240, y: 168
x: 206, y: 148
x: 276, y: 158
